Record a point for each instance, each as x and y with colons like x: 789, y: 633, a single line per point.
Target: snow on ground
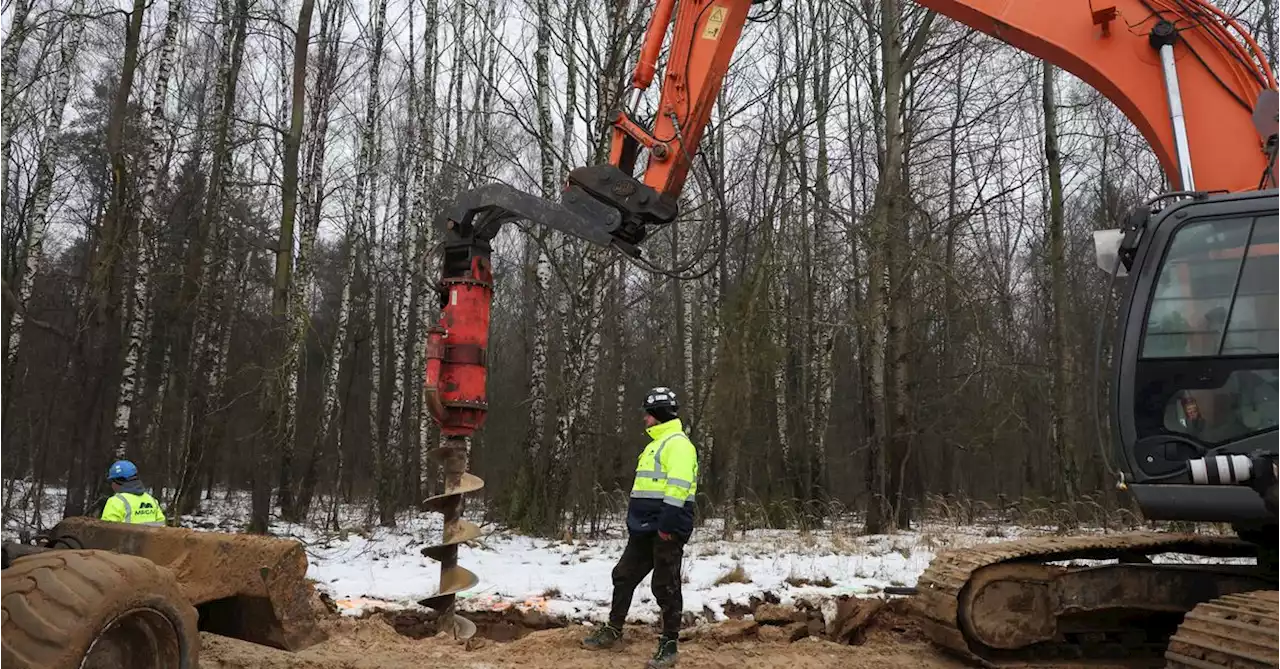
x: 364, y: 566
x: 574, y: 578
x: 384, y: 566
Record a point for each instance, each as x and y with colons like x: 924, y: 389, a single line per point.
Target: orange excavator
x: 1194, y: 376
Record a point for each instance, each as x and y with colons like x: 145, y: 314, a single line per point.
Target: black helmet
x: 661, y: 403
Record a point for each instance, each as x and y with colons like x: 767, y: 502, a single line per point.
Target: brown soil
x: 374, y: 644
x: 889, y: 639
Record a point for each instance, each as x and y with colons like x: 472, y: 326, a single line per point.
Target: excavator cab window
x: 1206, y: 368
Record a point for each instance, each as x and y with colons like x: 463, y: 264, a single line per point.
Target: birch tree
x: 281, y: 398
x: 365, y: 217
x: 311, y: 205
x: 195, y: 308
x: 531, y: 491
x: 43, y: 190
x: 140, y: 316
x: 425, y: 204
x: 9, y: 52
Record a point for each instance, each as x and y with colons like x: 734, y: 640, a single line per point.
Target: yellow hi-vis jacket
x: 666, y: 482
x: 133, y: 508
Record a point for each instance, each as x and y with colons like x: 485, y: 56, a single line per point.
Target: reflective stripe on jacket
x: 666, y: 482
x: 133, y: 508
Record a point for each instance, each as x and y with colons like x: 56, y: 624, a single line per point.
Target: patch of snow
x: 364, y: 566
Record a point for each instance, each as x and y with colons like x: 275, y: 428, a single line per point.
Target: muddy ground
x: 890, y: 639
x: 373, y: 643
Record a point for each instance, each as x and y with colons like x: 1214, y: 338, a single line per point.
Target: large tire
x: 92, y: 610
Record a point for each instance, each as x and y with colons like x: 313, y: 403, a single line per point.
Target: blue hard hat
x: 122, y: 469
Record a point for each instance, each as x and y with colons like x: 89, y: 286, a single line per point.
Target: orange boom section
x: 1111, y: 45
x: 1114, y: 46
x: 703, y: 39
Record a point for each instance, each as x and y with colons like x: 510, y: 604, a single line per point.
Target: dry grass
x: 707, y: 550
x: 820, y: 521
x: 800, y: 581
x: 735, y: 575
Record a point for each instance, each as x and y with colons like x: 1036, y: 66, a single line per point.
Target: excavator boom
x: 1183, y: 72
x: 1115, y: 46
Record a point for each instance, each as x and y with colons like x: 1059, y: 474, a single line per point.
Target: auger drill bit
x: 457, y: 347
x: 456, y: 371
x: 453, y: 579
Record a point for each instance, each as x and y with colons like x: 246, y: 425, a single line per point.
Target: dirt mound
x: 374, y: 643
x: 866, y: 633
x: 886, y: 633
x: 893, y: 624
x: 506, y: 625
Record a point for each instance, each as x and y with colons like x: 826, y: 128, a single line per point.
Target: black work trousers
x: 646, y: 552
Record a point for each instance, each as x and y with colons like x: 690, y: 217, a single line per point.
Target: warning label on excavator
x: 715, y: 23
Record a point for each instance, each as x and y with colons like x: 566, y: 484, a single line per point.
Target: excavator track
x: 1006, y: 605
x: 1233, y: 632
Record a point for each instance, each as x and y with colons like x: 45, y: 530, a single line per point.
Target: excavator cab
x: 1195, y: 367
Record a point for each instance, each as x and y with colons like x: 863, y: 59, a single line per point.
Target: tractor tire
x: 87, y: 609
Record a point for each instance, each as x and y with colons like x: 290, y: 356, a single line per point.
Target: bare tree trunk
x: 713, y: 308
x: 778, y: 302
x: 368, y: 151
x: 878, y: 298
x: 407, y: 247
x: 39, y: 224
x: 823, y: 277
x: 37, y: 227
x: 1269, y: 20
x: 105, y: 305
x: 424, y: 210
x: 531, y: 488
x: 1062, y: 423
x: 801, y: 285
x: 195, y: 305
x: 888, y: 278
x: 140, y: 316
x: 281, y: 392
x: 620, y: 295
x: 484, y: 143
x: 311, y: 205
x: 571, y: 88
x: 8, y: 72
x: 950, y: 308
x: 579, y: 315
x: 9, y: 53
x: 406, y: 406
x: 331, y: 427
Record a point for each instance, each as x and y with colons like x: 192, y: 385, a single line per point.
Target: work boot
x: 606, y: 636
x: 666, y: 656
